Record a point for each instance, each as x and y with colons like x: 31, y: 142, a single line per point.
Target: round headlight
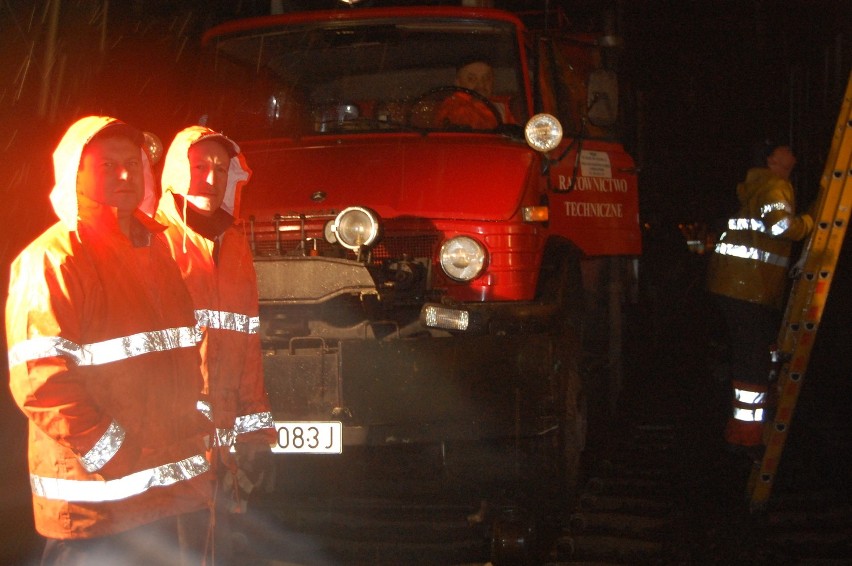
x: 462, y: 258
x: 356, y: 227
x: 543, y: 132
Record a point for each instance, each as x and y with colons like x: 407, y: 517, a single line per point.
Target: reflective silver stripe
x: 222, y: 320
x: 749, y: 416
x: 225, y: 436
x: 107, y: 351
x: 753, y: 225
x: 114, y: 490
x: 104, y: 449
x: 43, y: 347
x: 746, y: 224
x: 773, y: 206
x: 242, y: 425
x: 780, y: 227
x: 205, y: 409
x: 251, y: 423
x: 754, y: 400
x: 750, y: 397
x: 747, y: 252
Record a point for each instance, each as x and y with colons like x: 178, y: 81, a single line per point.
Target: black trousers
x: 173, y: 541
x: 752, y: 330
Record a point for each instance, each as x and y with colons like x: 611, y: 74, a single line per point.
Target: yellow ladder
x: 807, y: 298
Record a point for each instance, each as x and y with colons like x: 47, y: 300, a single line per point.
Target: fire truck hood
x: 461, y: 177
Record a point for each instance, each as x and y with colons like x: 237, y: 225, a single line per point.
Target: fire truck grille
x: 269, y: 248
x: 397, y: 246
x: 390, y: 247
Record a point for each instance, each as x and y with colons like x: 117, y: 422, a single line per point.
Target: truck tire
x: 572, y: 426
x: 560, y: 283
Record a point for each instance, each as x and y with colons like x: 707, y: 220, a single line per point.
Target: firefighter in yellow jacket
x: 104, y: 362
x: 203, y: 176
x: 748, y: 276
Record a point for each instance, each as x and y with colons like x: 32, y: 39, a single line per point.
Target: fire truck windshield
x: 329, y: 77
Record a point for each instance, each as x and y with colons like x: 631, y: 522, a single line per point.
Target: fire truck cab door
x: 593, y: 194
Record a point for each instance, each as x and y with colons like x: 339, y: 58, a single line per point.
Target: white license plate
x: 309, y: 437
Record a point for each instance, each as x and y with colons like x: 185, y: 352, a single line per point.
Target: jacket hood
x: 176, y: 174
x: 66, y: 162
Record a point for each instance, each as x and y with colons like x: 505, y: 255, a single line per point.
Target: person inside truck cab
x: 463, y: 109
x: 203, y: 175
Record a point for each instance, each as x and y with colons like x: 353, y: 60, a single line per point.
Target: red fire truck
x: 420, y: 275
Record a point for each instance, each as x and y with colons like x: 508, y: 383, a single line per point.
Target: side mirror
x: 602, y: 103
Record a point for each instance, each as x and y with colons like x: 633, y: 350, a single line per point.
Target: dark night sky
x: 718, y: 76
x: 710, y: 78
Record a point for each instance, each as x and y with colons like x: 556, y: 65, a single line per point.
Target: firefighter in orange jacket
x: 748, y: 276
x: 103, y: 361
x: 464, y: 109
x: 203, y: 175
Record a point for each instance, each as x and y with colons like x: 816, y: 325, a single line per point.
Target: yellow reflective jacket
x: 103, y: 361
x: 752, y: 256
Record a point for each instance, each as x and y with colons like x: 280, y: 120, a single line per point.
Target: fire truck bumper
x: 416, y: 390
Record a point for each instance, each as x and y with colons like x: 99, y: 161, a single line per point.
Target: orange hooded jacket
x: 462, y: 109
x: 219, y: 270
x: 103, y: 360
